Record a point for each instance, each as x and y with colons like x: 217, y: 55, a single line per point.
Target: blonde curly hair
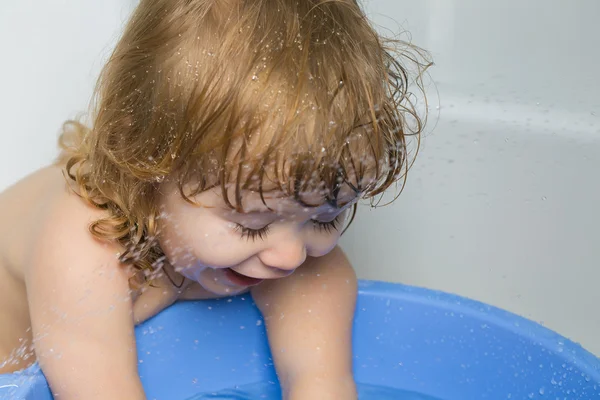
x: 296, y: 94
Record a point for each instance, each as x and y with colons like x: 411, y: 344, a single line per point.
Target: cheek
x: 199, y: 237
x: 319, y: 245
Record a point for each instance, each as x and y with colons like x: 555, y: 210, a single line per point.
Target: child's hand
x: 309, y: 317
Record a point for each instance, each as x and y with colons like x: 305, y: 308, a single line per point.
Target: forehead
x: 274, y: 201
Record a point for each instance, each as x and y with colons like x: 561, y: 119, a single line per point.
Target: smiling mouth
x: 241, y: 280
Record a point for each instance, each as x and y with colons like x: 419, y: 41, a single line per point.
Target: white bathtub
x: 501, y: 205
x: 503, y: 202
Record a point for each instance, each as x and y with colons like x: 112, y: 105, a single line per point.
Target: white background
x: 502, y: 204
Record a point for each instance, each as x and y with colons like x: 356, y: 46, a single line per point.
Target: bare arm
x: 309, y: 323
x: 81, y: 313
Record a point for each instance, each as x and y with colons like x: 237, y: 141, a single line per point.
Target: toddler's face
x: 227, y: 251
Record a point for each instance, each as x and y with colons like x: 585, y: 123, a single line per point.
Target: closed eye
x: 327, y: 227
x: 253, y: 234
x: 261, y: 233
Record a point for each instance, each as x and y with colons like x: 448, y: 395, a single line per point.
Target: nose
x: 286, y: 255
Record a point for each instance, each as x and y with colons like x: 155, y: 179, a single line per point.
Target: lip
x: 241, y: 280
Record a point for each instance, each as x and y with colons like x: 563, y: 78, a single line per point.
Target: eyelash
x: 253, y: 234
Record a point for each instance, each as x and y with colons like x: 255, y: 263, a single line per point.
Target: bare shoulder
x: 64, y: 226
x: 327, y: 276
x: 40, y: 210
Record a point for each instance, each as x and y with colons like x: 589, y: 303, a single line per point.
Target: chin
x: 215, y: 281
x: 226, y: 291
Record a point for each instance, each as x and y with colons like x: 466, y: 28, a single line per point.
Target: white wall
x: 50, y: 54
x: 501, y: 204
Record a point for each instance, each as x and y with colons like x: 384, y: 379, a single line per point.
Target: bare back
x: 25, y: 208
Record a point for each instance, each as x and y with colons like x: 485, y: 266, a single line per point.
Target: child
x: 229, y: 144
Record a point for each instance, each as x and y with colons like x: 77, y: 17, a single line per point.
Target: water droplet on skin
x: 254, y: 77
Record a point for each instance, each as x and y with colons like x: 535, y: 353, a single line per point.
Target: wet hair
x: 260, y: 94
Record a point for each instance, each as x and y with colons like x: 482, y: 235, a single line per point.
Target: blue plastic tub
x: 409, y: 343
